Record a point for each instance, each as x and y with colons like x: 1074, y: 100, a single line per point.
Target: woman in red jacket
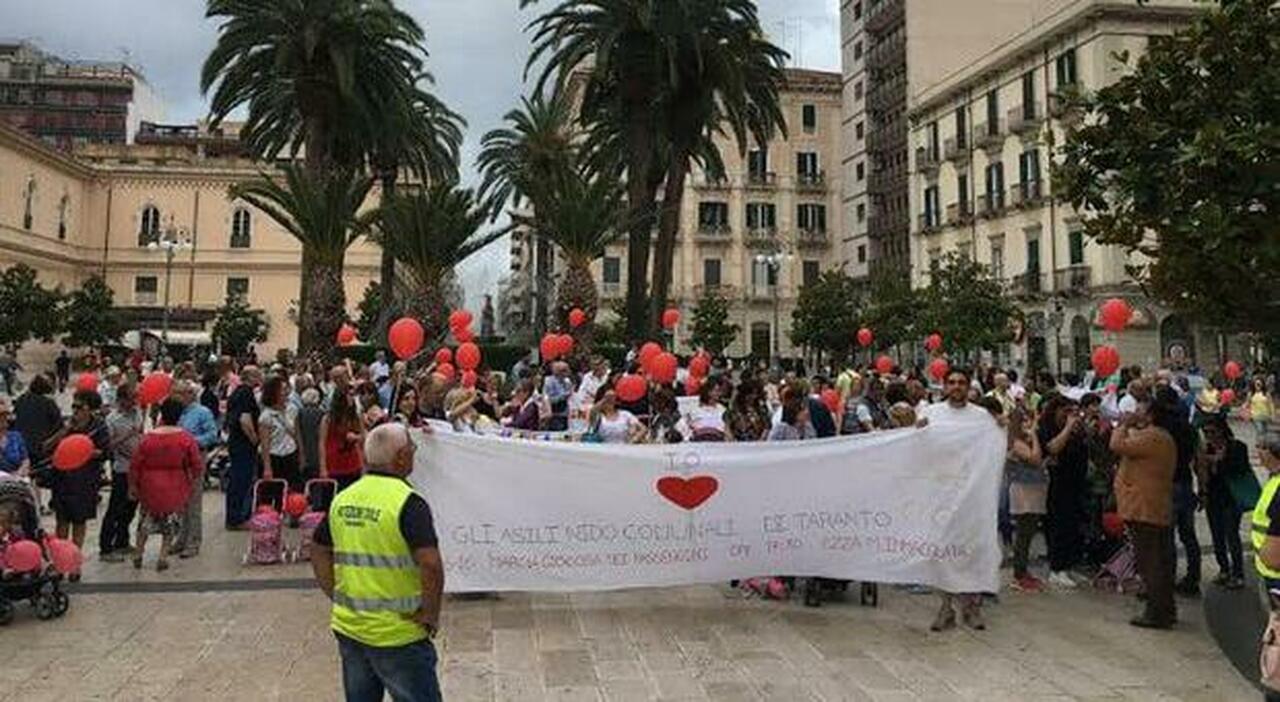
x: 343, y: 434
x: 164, y: 467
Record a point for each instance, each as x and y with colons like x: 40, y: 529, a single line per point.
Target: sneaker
x: 1061, y: 580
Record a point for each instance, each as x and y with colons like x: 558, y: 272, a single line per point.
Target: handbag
x: 1245, y: 490
x: 1269, y: 653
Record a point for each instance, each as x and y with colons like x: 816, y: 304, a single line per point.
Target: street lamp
x: 173, y: 240
x: 773, y: 262
x: 1056, y: 319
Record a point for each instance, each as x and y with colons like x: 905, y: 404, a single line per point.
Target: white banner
x: 905, y: 506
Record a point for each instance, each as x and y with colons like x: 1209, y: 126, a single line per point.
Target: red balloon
x: 87, y: 382
x: 468, y: 356
x: 938, y: 368
x: 884, y: 365
x: 548, y: 347
x: 1106, y: 360
x: 65, y: 555
x: 564, y: 344
x: 459, y: 319
x: 468, y: 379
x: 1232, y: 370
x: 577, y: 317
x: 444, y: 356
x: 23, y: 556
x: 670, y: 318
x: 865, y: 337
x: 154, y: 388
x: 406, y: 337
x: 1113, y: 525
x: 1115, y: 314
x: 692, y: 385
x: 631, y: 388
x: 662, y: 370
x: 295, y: 505
x: 1228, y: 397
x: 831, y: 399
x: 346, y: 335
x: 648, y: 352
x: 73, y: 452
x: 699, y: 366
x: 464, y: 335
x: 445, y: 370
x: 933, y: 342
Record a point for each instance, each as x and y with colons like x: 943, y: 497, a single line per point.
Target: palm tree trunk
x: 641, y: 194
x: 578, y: 289
x: 665, y: 250
x: 426, y: 302
x: 387, y: 269
x: 323, y: 306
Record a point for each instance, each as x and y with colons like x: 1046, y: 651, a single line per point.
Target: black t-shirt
x: 416, y: 526
x: 1073, y: 461
x: 240, y: 402
x: 209, y: 398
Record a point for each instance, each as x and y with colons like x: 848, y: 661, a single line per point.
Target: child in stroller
x: 19, y: 520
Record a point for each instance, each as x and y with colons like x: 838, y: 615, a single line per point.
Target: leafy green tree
x: 236, y: 326
x: 712, y: 329
x: 373, y: 313
x: 90, y: 317
x: 967, y: 306
x: 28, y: 310
x: 321, y: 210
x: 826, y: 314
x: 1178, y: 161
x: 892, y: 310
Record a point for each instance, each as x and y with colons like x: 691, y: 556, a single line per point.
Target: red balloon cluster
x: 73, y: 452
x: 631, y: 388
x: 1232, y: 370
x: 346, y: 335
x: 884, y: 365
x: 23, y: 556
x: 460, y: 325
x: 87, y: 382
x: 831, y: 399
x: 933, y: 342
x: 662, y: 369
x: 577, y: 317
x: 700, y: 365
x: 938, y: 368
x: 865, y: 337
x: 670, y: 318
x: 1106, y: 360
x: 464, y: 335
x: 648, y: 352
x: 446, y: 371
x: 1228, y: 397
x: 555, y: 346
x: 468, y: 356
x: 444, y: 355
x: 1115, y: 314
x: 405, y: 337
x: 469, y: 379
x: 154, y: 388
x: 295, y: 505
x: 64, y: 555
x: 692, y: 385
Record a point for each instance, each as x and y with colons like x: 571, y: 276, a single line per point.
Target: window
x: 993, y: 112
x: 1029, y: 95
x: 997, y: 257
x: 1033, y: 256
x: 933, y: 146
x: 857, y: 130
x: 809, y: 116
x: 995, y: 186
x: 757, y: 163
x: 862, y: 253
x: 612, y: 270
x: 857, y: 50
x: 713, y: 216
x: 1029, y: 173
x: 962, y: 193
x: 1065, y: 67
x: 711, y: 272
x: 809, y: 272
x: 240, y: 228
x: 28, y: 201
x: 149, y: 225
x: 1075, y: 247
x: 932, y: 214
x: 144, y: 289
x: 811, y: 217
x: 860, y: 171
x: 857, y: 10
x: 63, y: 204
x: 763, y: 275
x: 862, y: 212
x: 857, y: 90
x: 762, y: 215
x: 238, y: 287
x: 962, y: 128
x: 807, y: 165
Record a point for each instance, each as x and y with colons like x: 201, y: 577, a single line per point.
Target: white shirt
x: 1128, y: 405
x: 705, y: 418
x: 379, y: 370
x: 588, y: 388
x: 944, y: 413
x: 616, y: 430
x: 282, y: 443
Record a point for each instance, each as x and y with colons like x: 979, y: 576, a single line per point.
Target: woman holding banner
x: 612, y: 425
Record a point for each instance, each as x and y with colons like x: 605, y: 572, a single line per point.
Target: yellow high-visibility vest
x: 376, y: 580
x: 1262, y: 522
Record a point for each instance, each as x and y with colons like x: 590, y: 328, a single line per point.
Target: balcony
x: 761, y: 237
x: 955, y: 149
x: 1060, y: 108
x: 926, y: 160
x: 757, y: 180
x: 990, y: 205
x: 884, y: 16
x: 711, y: 233
x: 1027, y: 285
x: 611, y: 291
x: 1073, y: 280
x: 762, y: 293
x: 989, y: 136
x: 1022, y: 120
x: 1026, y: 194
x: 813, y: 239
x: 727, y: 292
x: 705, y: 182
x: 928, y: 224
x: 959, y: 213
x: 812, y: 182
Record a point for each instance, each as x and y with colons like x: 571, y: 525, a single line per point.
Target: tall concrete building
x: 70, y: 103
x: 982, y: 142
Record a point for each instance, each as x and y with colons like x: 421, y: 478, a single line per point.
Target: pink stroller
x: 319, y: 494
x: 266, y: 526
x: 1120, y: 573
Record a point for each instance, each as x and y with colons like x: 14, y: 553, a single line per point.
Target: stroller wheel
x: 6, y: 612
x: 45, y: 607
x: 61, y: 603
x: 870, y: 595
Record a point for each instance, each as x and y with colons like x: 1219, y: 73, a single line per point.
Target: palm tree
x: 535, y: 147
x: 429, y: 232
x: 321, y: 210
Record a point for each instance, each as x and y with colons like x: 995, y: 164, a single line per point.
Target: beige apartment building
x: 757, y: 236
x: 96, y: 211
x: 982, y: 143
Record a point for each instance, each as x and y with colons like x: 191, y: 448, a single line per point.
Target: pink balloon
x: 23, y: 556
x: 1232, y: 370
x: 65, y: 555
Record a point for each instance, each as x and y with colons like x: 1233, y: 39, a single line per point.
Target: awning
x: 177, y: 337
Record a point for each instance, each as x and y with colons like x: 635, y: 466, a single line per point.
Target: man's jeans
x: 408, y: 673
x: 1185, y: 503
x: 241, y: 472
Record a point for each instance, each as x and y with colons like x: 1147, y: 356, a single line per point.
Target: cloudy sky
x: 478, y: 49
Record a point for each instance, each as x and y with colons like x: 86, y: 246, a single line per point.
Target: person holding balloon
x: 76, y: 482
x: 164, y: 470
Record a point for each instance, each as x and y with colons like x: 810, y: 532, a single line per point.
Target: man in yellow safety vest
x: 376, y: 556
x: 1266, y: 538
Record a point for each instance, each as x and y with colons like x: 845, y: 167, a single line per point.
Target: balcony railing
x: 1061, y: 109
x: 1022, y: 120
x: 761, y: 236
x: 727, y: 292
x: 757, y: 179
x: 928, y: 224
x: 708, y: 183
x: 811, y: 181
x: 959, y: 213
x: 990, y: 204
x: 717, y: 233
x: 1074, y: 279
x: 926, y: 160
x: 1026, y: 194
x: 884, y: 16
x: 813, y: 238
x: 1028, y: 284
x: 955, y: 149
x: 762, y: 293
x: 989, y: 135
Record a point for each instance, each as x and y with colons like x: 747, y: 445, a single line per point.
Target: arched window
x: 29, y: 197
x: 63, y: 205
x: 241, y: 232
x: 149, y: 226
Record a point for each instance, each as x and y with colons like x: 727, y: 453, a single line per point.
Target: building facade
x: 71, y: 103
x: 759, y: 234
x: 982, y: 148
x: 96, y: 212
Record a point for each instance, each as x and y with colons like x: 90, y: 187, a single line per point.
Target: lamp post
x: 173, y: 240
x: 773, y: 263
x: 1056, y: 319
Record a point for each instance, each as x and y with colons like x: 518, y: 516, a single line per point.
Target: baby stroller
x: 319, y: 494
x: 1120, y: 571
x: 266, y: 526
x: 216, y: 465
x: 43, y: 587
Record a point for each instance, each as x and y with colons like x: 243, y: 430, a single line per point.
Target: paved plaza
x: 212, y: 628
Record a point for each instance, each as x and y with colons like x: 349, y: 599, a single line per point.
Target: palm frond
x: 320, y: 209
x: 429, y: 231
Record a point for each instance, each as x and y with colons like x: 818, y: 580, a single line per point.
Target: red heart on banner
x: 688, y: 493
